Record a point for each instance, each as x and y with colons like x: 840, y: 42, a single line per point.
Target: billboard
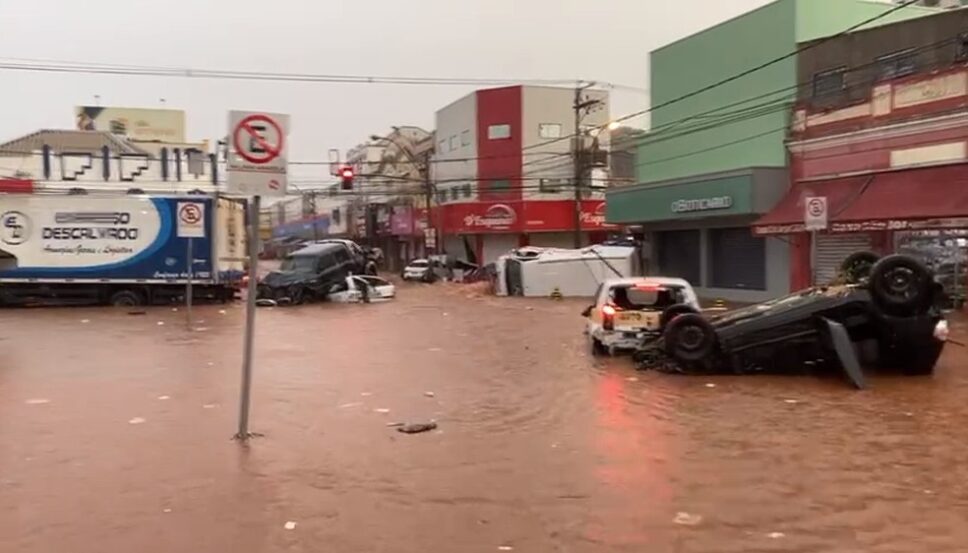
x: 162, y: 125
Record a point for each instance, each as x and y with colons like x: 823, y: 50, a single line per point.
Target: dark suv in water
x: 885, y: 314
x: 311, y: 272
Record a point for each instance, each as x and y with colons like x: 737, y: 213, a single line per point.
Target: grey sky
x: 601, y: 39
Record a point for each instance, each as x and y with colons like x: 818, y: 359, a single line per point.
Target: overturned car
x: 310, y: 273
x: 885, y: 314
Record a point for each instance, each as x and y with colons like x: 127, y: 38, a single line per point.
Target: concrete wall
x: 545, y: 157
x: 732, y: 138
x: 459, y: 120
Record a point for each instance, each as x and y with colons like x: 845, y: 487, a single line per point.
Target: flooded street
x: 116, y: 430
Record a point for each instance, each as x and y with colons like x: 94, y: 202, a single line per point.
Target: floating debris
x: 85, y: 321
x: 163, y: 398
x: 416, y: 428
x: 791, y: 401
x: 210, y: 406
x: 265, y: 302
x: 37, y: 401
x: 776, y: 535
x: 138, y: 312
x: 710, y: 385
x: 222, y: 312
x: 166, y: 510
x: 290, y: 525
x: 366, y: 394
x: 505, y: 548
x: 348, y: 405
x: 382, y: 410
x: 632, y: 379
x: 429, y: 394
x: 136, y: 420
x: 395, y: 424
x: 686, y: 519
x: 174, y: 309
x: 161, y: 323
x: 435, y: 349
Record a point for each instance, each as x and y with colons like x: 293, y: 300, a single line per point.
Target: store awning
x: 932, y: 197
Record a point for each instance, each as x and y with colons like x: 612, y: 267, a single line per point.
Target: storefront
x: 700, y: 229
x: 873, y: 212
x: 491, y: 229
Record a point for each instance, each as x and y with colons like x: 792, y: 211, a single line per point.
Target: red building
x: 892, y: 168
x: 503, y: 171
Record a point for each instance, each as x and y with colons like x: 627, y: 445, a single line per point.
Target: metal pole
x: 576, y: 153
x: 312, y: 203
x: 188, y: 284
x: 429, y: 191
x: 243, y: 433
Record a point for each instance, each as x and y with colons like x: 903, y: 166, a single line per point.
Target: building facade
x: 881, y: 134
x: 715, y: 160
x: 504, y: 170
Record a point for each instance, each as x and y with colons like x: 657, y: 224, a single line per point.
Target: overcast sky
x: 607, y: 40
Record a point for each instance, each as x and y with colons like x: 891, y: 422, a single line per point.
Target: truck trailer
x: 119, y: 250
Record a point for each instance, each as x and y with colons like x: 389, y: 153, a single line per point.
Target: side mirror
x: 587, y: 311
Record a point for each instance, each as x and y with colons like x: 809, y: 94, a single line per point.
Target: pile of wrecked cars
x: 315, y: 271
x: 884, y: 313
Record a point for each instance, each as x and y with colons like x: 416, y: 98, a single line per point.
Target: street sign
x: 815, y: 213
x: 191, y: 220
x: 430, y: 237
x: 257, y: 164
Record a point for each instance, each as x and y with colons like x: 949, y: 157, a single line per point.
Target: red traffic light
x: 346, y: 178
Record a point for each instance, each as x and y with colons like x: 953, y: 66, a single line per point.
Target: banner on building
x: 161, y: 125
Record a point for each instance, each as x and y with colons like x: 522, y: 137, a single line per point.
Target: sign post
x: 814, y: 220
x: 257, y: 166
x: 191, y: 225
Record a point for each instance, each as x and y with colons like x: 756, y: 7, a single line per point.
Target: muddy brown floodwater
x: 115, y: 437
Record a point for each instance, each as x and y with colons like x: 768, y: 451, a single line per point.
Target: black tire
x: 297, y: 294
x: 370, y: 269
x: 857, y: 266
x: 126, y: 298
x: 901, y: 285
x: 689, y: 338
x: 674, y: 311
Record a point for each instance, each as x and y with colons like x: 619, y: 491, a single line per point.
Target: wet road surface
x: 115, y: 436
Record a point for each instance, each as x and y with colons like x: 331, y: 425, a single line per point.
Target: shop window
x: 897, y: 64
x: 737, y: 259
x: 498, y: 132
x: 829, y: 83
x: 455, y: 193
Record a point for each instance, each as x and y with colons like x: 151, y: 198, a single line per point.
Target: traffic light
x: 346, y: 178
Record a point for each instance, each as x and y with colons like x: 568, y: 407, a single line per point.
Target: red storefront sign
x: 522, y: 216
x: 16, y: 186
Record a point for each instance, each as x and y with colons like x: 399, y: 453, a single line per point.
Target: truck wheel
x: 857, y: 266
x: 674, y: 311
x: 901, y: 285
x: 297, y: 295
x: 126, y: 298
x: 689, y: 338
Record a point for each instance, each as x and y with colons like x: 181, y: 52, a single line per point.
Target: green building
x: 715, y: 161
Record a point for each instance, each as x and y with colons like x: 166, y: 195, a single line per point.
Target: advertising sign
x: 162, y: 125
x: 815, y: 213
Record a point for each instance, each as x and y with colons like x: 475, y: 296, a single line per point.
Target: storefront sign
x: 498, y: 216
x: 702, y: 204
x: 596, y: 217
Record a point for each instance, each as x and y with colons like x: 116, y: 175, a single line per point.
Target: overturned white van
x: 572, y: 273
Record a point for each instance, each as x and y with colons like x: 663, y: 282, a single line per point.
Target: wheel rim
x: 691, y: 338
x: 900, y: 283
x: 858, y: 270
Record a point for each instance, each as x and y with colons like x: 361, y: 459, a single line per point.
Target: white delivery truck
x: 119, y: 250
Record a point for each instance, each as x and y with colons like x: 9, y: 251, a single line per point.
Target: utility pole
x: 578, y: 153
x: 429, y: 193
x: 313, y: 215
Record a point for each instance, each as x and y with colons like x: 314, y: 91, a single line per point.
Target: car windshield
x: 639, y: 297
x: 418, y: 263
x: 299, y: 263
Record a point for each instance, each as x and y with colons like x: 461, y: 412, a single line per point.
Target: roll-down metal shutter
x: 737, y: 259
x: 833, y: 249
x: 678, y: 255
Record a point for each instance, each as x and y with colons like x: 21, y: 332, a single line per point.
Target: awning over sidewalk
x: 932, y: 197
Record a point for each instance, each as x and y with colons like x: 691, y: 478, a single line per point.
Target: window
x: 550, y: 186
x: 499, y: 186
x: 441, y: 196
x: 335, y: 216
x: 498, y: 132
x: 465, y: 138
x: 897, y: 64
x: 441, y: 146
x: 467, y: 190
x: 455, y: 193
x: 828, y: 83
x: 549, y: 130
x: 453, y: 143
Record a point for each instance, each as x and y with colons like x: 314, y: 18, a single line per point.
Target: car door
x: 345, y: 292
